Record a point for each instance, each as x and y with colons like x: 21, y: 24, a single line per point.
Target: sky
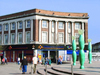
x: 92, y: 7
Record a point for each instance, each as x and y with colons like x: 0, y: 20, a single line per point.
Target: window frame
x: 62, y: 37
x: 1, y: 28
x: 11, y: 38
x: 69, y: 40
x: 1, y: 38
x: 46, y: 36
x: 12, y: 26
x: 26, y: 37
x: 18, y: 37
x: 62, y: 24
x: 27, y: 23
x: 4, y: 39
x: 76, y: 37
x: 19, y: 25
x: 77, y: 27
x: 46, y: 23
x: 6, y: 28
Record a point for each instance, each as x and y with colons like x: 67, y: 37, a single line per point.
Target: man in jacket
x: 24, y: 65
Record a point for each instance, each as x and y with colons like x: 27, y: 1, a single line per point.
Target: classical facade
x: 41, y: 32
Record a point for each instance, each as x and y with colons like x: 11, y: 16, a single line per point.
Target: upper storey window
x: 28, y: 24
x: 77, y: 26
x: 20, y: 26
x: 61, y: 25
x: 6, y: 27
x: 44, y: 24
x: 0, y: 27
x: 53, y: 24
x: 13, y: 26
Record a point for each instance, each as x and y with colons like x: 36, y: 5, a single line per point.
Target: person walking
x: 18, y: 60
x: 24, y: 65
x: 49, y: 61
x: 43, y: 61
x: 0, y: 60
x: 5, y: 60
x: 35, y: 60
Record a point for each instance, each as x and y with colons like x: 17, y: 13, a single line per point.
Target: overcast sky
x: 92, y: 7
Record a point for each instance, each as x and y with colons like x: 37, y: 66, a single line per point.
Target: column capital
x: 72, y: 21
x: 56, y: 20
x: 66, y: 21
x: 50, y: 20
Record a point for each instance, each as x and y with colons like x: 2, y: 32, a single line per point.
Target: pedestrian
x: 0, y: 60
x: 18, y: 60
x: 24, y: 65
x: 43, y: 61
x: 35, y: 60
x: 5, y: 60
x: 49, y: 61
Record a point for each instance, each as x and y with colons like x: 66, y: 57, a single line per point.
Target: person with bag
x: 35, y: 60
x: 24, y: 65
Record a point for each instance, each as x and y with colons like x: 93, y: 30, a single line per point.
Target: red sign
x: 10, y: 47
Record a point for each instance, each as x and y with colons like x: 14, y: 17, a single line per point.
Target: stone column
x: 48, y: 54
x: 83, y: 27
x: 24, y: 31
x: 40, y: 30
x: 9, y: 33
x: 2, y: 34
x: 56, y: 28
x: 31, y: 30
x: 16, y: 34
x: 66, y: 32
x: 72, y: 29
x: 49, y: 31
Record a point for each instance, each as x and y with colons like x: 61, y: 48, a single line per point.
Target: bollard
x: 31, y: 70
x: 46, y: 69
x: 71, y: 66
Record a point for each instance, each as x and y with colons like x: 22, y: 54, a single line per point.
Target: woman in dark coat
x: 24, y: 65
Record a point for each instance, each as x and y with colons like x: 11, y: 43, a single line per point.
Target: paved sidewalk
x: 13, y: 68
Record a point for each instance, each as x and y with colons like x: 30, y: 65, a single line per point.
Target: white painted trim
x: 49, y: 31
x: 31, y: 30
x: 9, y: 33
x: 60, y: 19
x: 23, y: 26
x: 56, y: 36
x: 40, y: 30
x: 66, y: 32
x: 16, y: 29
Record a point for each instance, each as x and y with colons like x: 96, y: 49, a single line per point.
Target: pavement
x: 13, y: 68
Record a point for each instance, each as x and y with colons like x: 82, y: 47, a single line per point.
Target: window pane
x: 6, y: 27
x: 44, y: 37
x: 28, y: 37
x: 52, y: 37
x: 77, y: 37
x: 52, y: 24
x: 0, y: 39
x: 69, y: 37
x: 61, y: 37
x: 61, y: 26
x: 6, y: 38
x: 69, y: 26
x: 20, y: 37
x: 13, y: 26
x: 0, y: 28
x: 77, y: 25
x: 28, y: 24
x: 44, y: 24
x: 13, y: 38
x: 20, y: 25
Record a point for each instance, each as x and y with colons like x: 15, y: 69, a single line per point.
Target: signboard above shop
x: 41, y: 46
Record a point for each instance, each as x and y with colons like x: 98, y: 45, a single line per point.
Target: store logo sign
x: 10, y: 47
x: 40, y: 47
x: 33, y: 47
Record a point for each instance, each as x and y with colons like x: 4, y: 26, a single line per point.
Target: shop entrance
x: 52, y: 55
